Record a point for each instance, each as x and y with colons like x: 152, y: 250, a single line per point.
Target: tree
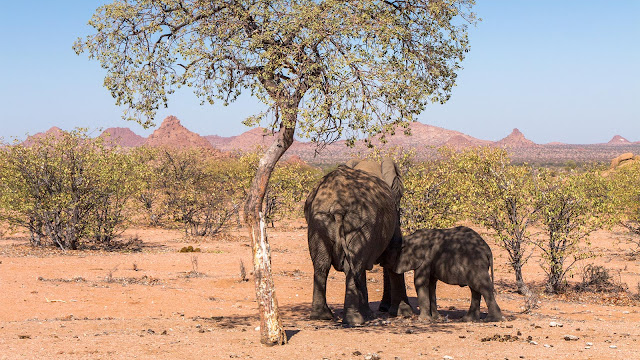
x: 433, y: 194
x: 572, y: 206
x: 328, y: 68
x: 626, y: 184
x: 502, y: 198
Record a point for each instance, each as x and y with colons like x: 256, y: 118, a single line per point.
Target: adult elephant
x: 353, y: 223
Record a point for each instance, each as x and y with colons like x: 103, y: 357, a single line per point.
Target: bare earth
x: 161, y: 304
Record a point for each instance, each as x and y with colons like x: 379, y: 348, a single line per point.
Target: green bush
x: 66, y: 189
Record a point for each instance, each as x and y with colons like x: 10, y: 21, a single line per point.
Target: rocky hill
x: 172, y: 134
x: 122, y: 137
x: 618, y: 140
x: 53, y: 131
x: 515, y: 140
x: 246, y: 141
x: 424, y: 140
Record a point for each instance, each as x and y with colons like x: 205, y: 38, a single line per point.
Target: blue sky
x: 558, y: 70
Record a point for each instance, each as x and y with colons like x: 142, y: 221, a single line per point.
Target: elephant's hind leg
x: 495, y: 314
x: 319, y: 308
x: 356, y: 306
x: 474, y: 309
x: 321, y: 266
x: 484, y: 286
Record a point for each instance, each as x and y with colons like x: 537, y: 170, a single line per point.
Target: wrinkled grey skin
x: 457, y: 256
x: 352, y: 219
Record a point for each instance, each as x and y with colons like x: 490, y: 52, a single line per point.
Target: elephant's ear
x: 352, y: 163
x: 371, y: 167
x: 391, y: 175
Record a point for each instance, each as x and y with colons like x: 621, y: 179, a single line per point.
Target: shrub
x: 66, y: 189
x: 199, y: 192
x: 596, y: 278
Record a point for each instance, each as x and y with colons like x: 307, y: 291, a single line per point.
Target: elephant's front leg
x: 433, y: 281
x: 421, y: 282
x: 398, y: 302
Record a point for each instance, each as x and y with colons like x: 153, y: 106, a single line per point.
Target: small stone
x: 571, y: 338
x: 373, y: 356
x: 447, y: 357
x: 613, y: 347
x: 548, y: 346
x: 257, y: 328
x: 589, y: 344
x: 625, y: 312
x: 532, y: 342
x: 587, y: 347
x: 555, y: 324
x: 357, y: 353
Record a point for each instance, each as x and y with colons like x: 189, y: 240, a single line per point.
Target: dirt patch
x: 158, y: 303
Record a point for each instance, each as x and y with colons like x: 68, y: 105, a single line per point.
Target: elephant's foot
x: 496, y: 317
x: 426, y: 317
x: 384, y: 307
x: 321, y: 314
x: 404, y: 309
x: 353, y: 317
x: 435, y: 315
x: 470, y: 317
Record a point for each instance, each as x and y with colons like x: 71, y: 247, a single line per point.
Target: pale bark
x: 271, y: 330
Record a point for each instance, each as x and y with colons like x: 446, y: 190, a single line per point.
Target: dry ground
x: 158, y: 303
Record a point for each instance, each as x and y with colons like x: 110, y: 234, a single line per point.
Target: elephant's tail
x: 491, y: 266
x: 342, y: 240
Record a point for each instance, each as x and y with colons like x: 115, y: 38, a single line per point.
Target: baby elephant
x: 457, y: 256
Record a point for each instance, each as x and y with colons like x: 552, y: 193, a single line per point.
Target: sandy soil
x: 158, y: 303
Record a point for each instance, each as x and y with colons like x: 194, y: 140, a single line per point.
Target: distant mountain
x: 424, y: 140
x: 429, y: 135
x: 54, y: 131
x: 172, y: 134
x: 618, y: 140
x: 122, y: 137
x: 246, y: 141
x: 515, y: 140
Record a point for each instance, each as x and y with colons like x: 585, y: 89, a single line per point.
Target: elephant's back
x: 345, y: 189
x: 466, y: 248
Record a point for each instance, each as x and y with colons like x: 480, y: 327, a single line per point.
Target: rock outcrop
x: 515, y: 139
x: 623, y: 160
x: 618, y: 140
x: 172, y: 134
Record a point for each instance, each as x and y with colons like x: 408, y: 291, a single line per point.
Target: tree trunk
x: 271, y: 330
x: 523, y: 289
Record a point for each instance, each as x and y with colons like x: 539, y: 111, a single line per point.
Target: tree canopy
x: 344, y: 68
